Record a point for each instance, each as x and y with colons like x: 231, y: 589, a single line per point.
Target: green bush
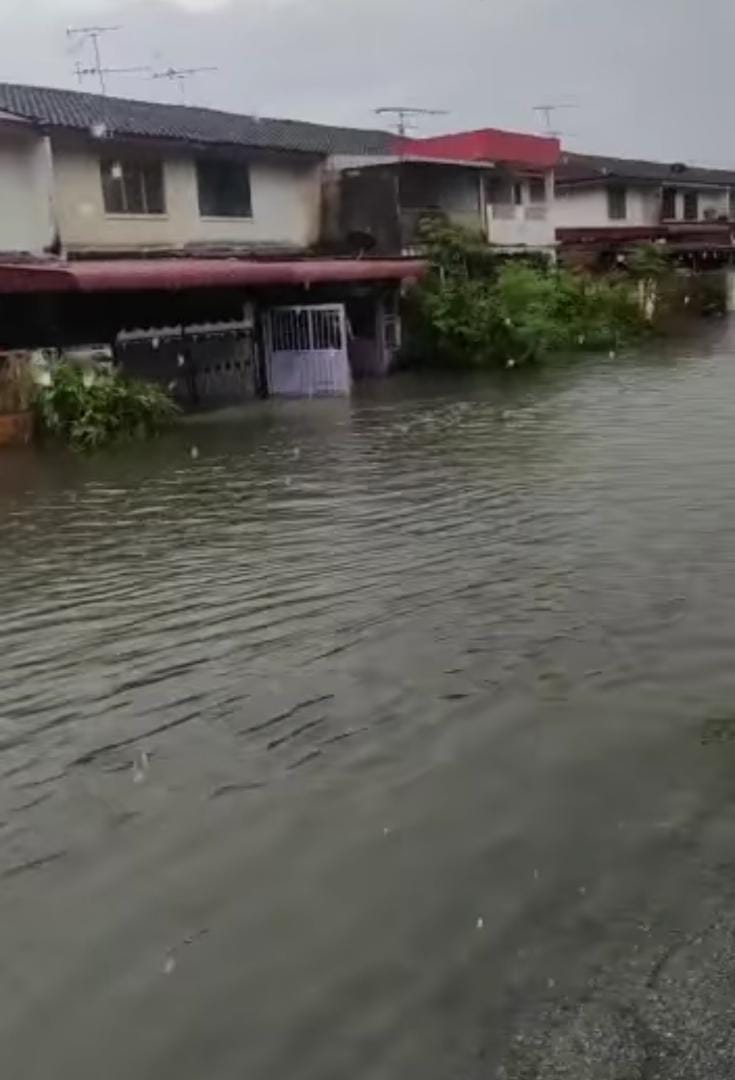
x: 88, y: 411
x: 477, y: 309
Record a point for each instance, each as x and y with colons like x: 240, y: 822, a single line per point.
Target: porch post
x: 730, y: 288
x: 483, y: 205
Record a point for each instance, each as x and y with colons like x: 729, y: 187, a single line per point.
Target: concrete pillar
x: 43, y: 186
x: 730, y: 289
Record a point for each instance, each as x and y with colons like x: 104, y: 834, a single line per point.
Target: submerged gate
x: 306, y: 350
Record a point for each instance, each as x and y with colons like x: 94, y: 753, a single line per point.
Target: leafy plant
x: 477, y: 309
x: 457, y: 252
x: 648, y: 261
x: 89, y: 411
x: 17, y: 388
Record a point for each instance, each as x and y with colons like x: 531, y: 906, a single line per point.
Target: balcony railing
x: 530, y: 225
x: 512, y: 212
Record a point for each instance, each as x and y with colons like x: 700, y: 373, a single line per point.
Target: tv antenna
x: 181, y: 76
x: 90, y: 35
x: 404, y: 113
x: 547, y: 112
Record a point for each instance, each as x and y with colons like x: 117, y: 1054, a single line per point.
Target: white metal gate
x: 307, y: 350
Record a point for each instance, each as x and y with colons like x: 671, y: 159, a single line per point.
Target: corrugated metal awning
x: 152, y: 275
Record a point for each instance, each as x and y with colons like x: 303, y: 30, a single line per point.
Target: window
x: 518, y: 194
x: 537, y: 189
x: 617, y: 203
x: 691, y: 206
x: 133, y: 187
x: 224, y: 189
x: 668, y: 204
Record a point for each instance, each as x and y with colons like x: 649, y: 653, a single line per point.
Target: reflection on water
x: 364, y: 740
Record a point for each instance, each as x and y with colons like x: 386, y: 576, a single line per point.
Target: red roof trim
x: 488, y: 144
x: 129, y: 275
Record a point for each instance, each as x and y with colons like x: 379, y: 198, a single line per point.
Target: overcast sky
x: 647, y: 77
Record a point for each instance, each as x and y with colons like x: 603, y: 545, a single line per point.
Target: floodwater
x: 392, y: 738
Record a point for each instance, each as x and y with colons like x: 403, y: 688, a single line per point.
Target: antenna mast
x: 83, y: 35
x: 404, y: 113
x: 181, y: 76
x: 547, y: 112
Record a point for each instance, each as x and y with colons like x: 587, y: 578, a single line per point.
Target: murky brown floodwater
x: 369, y: 744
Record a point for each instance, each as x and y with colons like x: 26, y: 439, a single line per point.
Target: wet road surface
x: 387, y: 738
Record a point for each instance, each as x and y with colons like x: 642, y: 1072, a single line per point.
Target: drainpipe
x: 483, y: 205
x: 46, y: 167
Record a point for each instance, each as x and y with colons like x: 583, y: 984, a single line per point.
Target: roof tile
x: 580, y: 168
x: 119, y: 116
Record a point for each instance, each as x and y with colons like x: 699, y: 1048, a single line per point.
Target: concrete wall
x: 587, y: 206
x: 716, y: 200
x: 286, y: 202
x: 26, y: 221
x: 455, y: 191
x: 581, y: 207
x: 528, y: 224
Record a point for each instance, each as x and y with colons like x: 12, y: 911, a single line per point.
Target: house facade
x: 185, y: 241
x: 89, y: 175
x: 123, y: 197
x: 380, y: 205
x: 604, y: 202
x: 497, y: 184
x: 26, y: 189
x: 517, y: 208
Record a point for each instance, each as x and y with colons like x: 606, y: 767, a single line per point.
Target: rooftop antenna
x: 82, y: 73
x: 82, y: 35
x: 181, y: 76
x: 404, y: 113
x: 547, y: 113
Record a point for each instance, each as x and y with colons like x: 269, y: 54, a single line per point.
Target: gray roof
x: 590, y: 168
x: 77, y: 111
x: 381, y: 161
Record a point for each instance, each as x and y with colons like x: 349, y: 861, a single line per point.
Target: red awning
x: 142, y: 275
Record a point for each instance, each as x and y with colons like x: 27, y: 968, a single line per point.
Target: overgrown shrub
x: 90, y: 410
x: 477, y: 309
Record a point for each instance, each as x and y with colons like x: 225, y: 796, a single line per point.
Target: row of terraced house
x: 231, y: 255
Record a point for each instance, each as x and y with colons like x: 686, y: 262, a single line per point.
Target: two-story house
x: 191, y: 228
x: 606, y: 203
x: 496, y: 183
x: 88, y: 174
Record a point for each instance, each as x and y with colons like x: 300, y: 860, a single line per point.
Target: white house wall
x: 286, y: 200
x: 711, y: 202
x: 587, y: 207
x: 525, y: 225
x: 26, y: 223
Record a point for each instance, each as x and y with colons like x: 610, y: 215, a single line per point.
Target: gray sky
x: 649, y: 77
